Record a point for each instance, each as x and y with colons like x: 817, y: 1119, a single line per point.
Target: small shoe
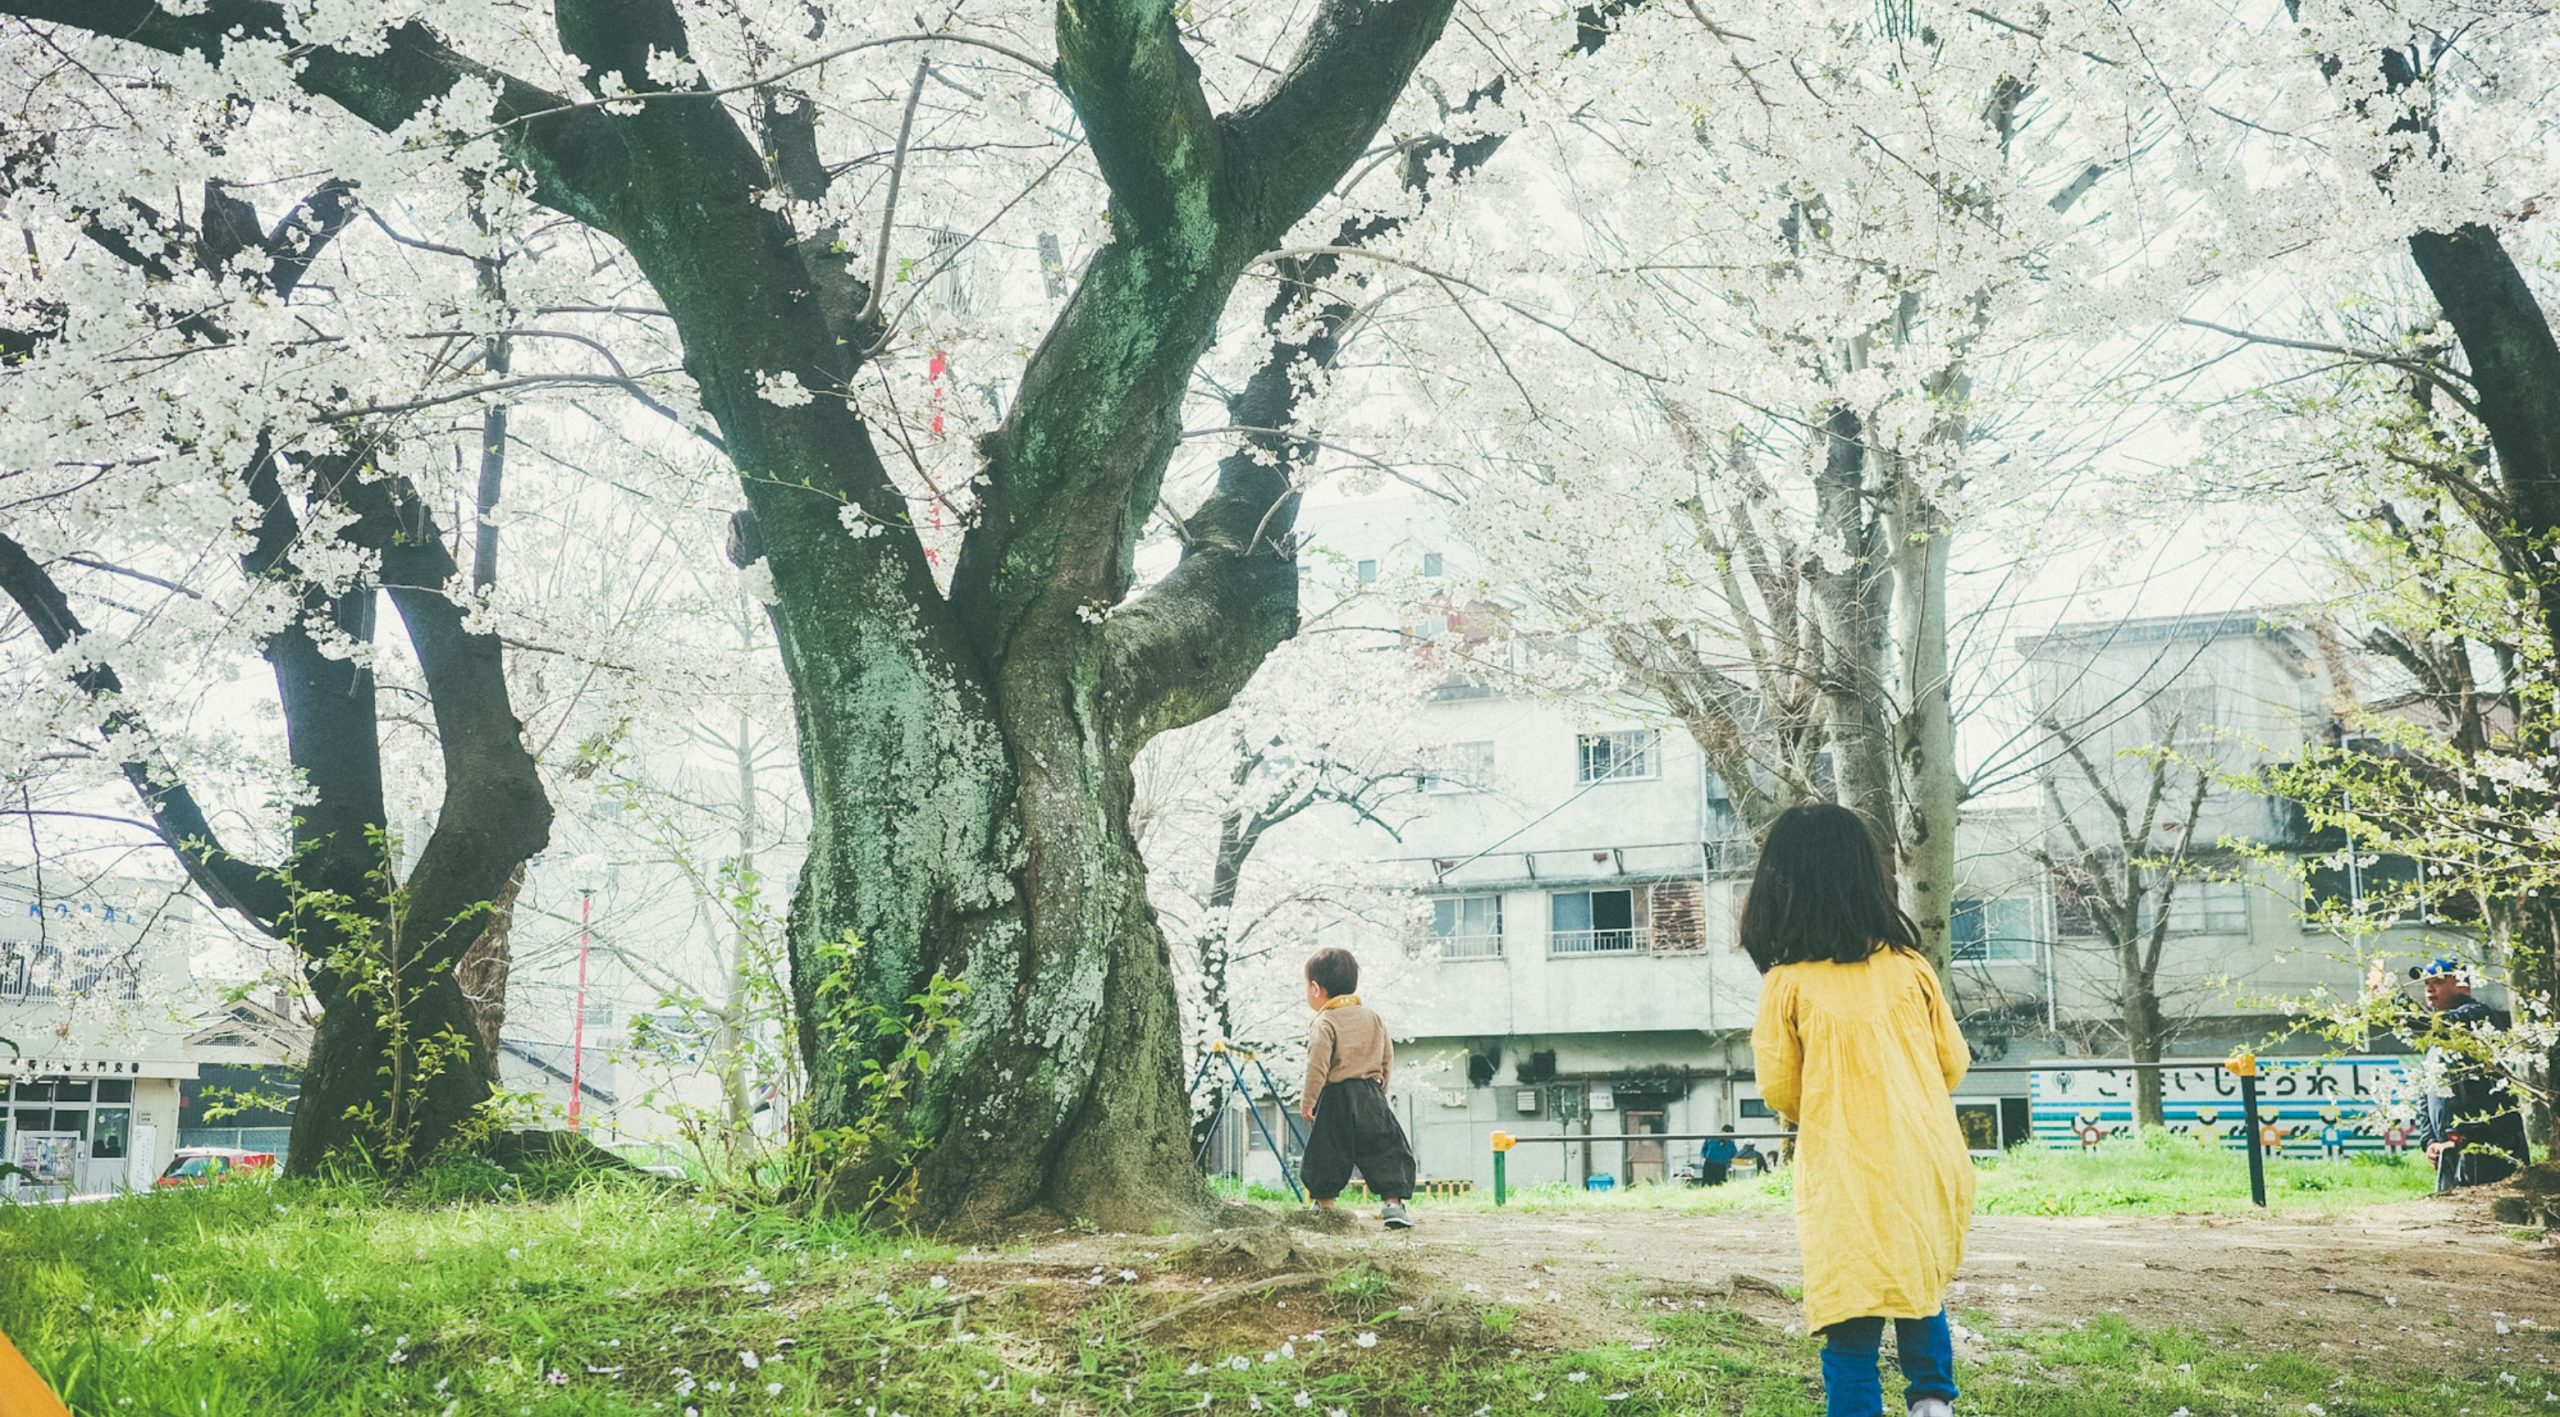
x: 1393, y: 1214
x: 1933, y: 1407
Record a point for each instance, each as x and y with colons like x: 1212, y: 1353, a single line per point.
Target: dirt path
x: 2417, y: 1284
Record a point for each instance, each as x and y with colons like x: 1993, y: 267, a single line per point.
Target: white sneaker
x: 1933, y: 1407
x: 1393, y: 1214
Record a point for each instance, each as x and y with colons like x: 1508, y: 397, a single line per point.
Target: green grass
x: 617, y: 1297
x: 2168, y: 1174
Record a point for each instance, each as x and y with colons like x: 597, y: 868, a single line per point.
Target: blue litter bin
x: 1601, y: 1182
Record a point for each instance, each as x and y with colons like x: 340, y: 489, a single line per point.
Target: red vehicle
x: 204, y: 1165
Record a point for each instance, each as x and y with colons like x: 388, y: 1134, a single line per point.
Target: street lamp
x: 588, y: 867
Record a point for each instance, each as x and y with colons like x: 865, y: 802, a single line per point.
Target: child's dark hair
x: 1334, y: 971
x: 1823, y: 891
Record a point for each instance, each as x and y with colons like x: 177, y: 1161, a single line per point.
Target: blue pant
x: 1849, y: 1383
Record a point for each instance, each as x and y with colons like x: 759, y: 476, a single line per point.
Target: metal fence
x: 1470, y: 946
x: 238, y: 1138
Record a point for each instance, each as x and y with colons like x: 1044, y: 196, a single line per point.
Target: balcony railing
x: 1471, y: 947
x: 1600, y: 942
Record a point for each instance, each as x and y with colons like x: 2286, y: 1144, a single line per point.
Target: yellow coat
x: 1860, y: 1058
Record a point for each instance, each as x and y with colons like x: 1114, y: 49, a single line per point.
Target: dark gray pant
x: 1356, y: 1130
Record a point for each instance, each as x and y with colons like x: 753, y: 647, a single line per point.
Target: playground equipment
x: 1220, y: 1050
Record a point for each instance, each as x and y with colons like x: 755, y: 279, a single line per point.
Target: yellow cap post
x: 1504, y: 1141
x: 2242, y: 1063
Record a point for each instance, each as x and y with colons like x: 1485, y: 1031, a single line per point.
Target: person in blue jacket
x: 1715, y: 1159
x: 2471, y: 1126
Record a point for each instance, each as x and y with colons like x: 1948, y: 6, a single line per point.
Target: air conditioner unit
x: 1529, y: 1101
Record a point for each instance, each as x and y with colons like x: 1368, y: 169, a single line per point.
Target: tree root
x: 1257, y: 1288
x: 2532, y: 1198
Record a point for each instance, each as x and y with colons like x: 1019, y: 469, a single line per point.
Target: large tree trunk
x: 967, y: 757
x: 996, y: 847
x: 2514, y: 375
x: 483, y: 973
x: 1925, y: 734
x: 390, y: 1079
x: 1854, y: 602
x: 398, y: 1067
x: 2145, y: 1035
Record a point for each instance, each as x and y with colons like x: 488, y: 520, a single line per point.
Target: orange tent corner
x: 22, y: 1393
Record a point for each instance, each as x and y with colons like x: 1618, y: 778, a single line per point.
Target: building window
x: 1366, y: 572
x: 50, y: 969
x: 1622, y: 756
x: 1996, y: 931
x: 1431, y: 563
x: 114, y: 1125
x: 1468, y: 926
x: 1599, y: 922
x: 2202, y: 908
x: 2384, y: 885
x: 1275, y: 1122
x: 1463, y: 767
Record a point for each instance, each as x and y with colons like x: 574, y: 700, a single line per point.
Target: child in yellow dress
x: 1858, y: 1051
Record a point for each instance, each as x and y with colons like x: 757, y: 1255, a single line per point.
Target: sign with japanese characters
x: 25, y: 1067
x: 2310, y: 1109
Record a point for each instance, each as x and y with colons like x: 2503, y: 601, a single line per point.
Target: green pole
x: 1500, y: 1191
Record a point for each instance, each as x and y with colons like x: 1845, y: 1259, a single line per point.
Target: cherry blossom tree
x: 1782, y: 346
x: 399, y: 1063
x: 968, y: 706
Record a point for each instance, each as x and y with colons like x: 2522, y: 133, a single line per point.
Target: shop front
x: 87, y: 1126
x: 94, y: 974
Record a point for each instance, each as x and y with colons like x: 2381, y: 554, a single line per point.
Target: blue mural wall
x: 2313, y: 1109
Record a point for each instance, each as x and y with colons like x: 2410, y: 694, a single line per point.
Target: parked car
x: 204, y: 1165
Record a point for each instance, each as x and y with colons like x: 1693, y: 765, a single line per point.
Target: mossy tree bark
x: 967, y: 757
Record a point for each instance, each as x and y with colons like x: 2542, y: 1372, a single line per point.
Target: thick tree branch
x: 330, y: 700
x: 1073, y: 477
x: 578, y: 159
x: 1137, y: 92
x: 1288, y: 148
x: 1244, y: 528
x: 1182, y: 651
x: 249, y: 889
x: 495, y: 814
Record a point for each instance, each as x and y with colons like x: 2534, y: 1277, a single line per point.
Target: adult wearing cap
x: 2472, y: 1130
